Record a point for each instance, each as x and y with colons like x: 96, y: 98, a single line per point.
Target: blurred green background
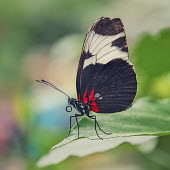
x: 42, y: 39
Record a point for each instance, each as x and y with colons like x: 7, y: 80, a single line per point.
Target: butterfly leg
x: 102, y: 130
x: 96, y: 123
x: 76, y: 115
x: 94, y: 117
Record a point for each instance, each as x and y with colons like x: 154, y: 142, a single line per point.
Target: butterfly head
x: 80, y: 107
x: 71, y: 101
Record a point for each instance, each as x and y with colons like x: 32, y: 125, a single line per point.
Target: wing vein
x: 99, y: 43
x: 94, y: 42
x: 107, y: 53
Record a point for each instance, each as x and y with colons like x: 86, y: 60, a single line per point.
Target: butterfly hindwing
x: 106, y: 79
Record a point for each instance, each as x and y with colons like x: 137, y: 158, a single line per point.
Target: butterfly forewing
x: 106, y: 79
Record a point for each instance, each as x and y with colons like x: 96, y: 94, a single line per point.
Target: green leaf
x: 142, y: 122
x: 152, y: 61
x: 152, y: 54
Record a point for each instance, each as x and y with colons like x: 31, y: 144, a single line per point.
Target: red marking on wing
x: 93, y: 103
x: 85, y: 98
x: 91, y: 95
x: 95, y: 108
x: 91, y: 99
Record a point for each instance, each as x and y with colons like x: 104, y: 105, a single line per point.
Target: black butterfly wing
x: 106, y: 79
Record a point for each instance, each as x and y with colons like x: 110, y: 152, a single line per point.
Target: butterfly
x: 106, y: 81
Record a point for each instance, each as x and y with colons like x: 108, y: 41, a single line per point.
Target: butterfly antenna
x: 51, y: 85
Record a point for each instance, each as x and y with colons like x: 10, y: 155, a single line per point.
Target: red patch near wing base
x: 95, y: 108
x: 93, y: 104
x: 91, y: 95
x: 91, y: 99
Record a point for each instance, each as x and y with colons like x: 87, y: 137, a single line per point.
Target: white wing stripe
x: 102, y: 48
x: 102, y: 54
x: 92, y: 50
x: 112, y: 55
x: 104, y: 40
x: 91, y: 60
x: 89, y: 39
x: 94, y: 40
x: 106, y: 57
x: 109, y: 44
x: 92, y: 37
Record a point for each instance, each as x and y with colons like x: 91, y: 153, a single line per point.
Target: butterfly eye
x: 68, y: 108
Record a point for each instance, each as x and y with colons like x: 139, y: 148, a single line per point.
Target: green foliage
x: 151, y: 62
x: 136, y: 125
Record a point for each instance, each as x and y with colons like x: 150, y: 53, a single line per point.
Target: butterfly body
x: 80, y: 107
x: 84, y: 109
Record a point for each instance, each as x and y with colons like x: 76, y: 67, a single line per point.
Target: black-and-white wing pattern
x: 106, y: 79
x: 105, y: 41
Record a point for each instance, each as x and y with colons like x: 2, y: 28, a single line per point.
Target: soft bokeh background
x: 43, y: 39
